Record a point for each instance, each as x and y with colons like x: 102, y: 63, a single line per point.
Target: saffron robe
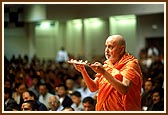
x: 109, y: 99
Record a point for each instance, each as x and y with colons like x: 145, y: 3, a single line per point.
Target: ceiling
x: 70, y: 11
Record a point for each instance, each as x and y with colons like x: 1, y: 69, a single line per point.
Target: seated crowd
x: 48, y: 86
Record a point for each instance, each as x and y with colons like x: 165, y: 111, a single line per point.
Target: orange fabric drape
x: 109, y: 99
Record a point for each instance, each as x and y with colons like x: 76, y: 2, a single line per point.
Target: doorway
x: 157, y: 42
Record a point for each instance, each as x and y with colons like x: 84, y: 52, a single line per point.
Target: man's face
x: 112, y: 50
x: 83, y: 84
x: 148, y: 86
x: 61, y: 91
x: 42, y: 89
x: 53, y: 103
x: 88, y: 107
x: 7, y: 84
x: 35, y: 81
x: 76, y: 99
x: 6, y: 96
x: 26, y: 96
x: 69, y: 83
x: 21, y: 89
x: 26, y: 107
x: 156, y: 97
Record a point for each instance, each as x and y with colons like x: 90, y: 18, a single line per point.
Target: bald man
x: 118, y: 80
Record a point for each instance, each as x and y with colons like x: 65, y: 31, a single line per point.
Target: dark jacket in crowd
x: 67, y: 102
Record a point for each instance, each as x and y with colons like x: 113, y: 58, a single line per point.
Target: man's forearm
x: 89, y: 82
x: 118, y: 85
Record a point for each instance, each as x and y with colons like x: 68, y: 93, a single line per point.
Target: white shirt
x: 45, y: 99
x: 60, y: 108
x: 78, y: 108
x: 62, y: 56
x: 86, y: 92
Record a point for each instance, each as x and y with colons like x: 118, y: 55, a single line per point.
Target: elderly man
x: 118, y: 81
x: 54, y: 103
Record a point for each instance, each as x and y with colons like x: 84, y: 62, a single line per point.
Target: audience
x: 29, y: 95
x: 146, y: 95
x: 157, y: 100
x: 49, y: 79
x: 17, y: 94
x: 64, y: 98
x: 9, y: 103
x: 44, y: 95
x: 8, y: 83
x: 35, y: 86
x: 84, y: 90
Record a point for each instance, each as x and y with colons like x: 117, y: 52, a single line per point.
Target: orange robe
x: 109, y: 99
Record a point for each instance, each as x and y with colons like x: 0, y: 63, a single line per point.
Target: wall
x: 125, y: 25
x: 85, y: 39
x: 71, y: 11
x: 145, y: 28
x: 15, y: 42
x: 45, y: 41
x: 73, y: 35
x: 96, y: 32
x: 81, y: 38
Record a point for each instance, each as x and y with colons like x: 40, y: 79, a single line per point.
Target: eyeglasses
x: 53, y: 102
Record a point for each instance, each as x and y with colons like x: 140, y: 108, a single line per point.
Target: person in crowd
x: 156, y: 68
x: 35, y: 86
x: 84, y: 90
x: 118, y: 81
x: 62, y: 56
x: 158, y: 82
x: 64, y: 98
x: 54, y: 103
x: 17, y: 94
x: 29, y: 105
x: 8, y: 83
x: 146, y: 95
x: 9, y: 103
x: 70, y: 84
x: 152, y: 56
x: 157, y: 100
x: 68, y: 109
x: 77, y: 101
x: 44, y: 95
x: 29, y: 95
x: 142, y: 62
x: 89, y: 104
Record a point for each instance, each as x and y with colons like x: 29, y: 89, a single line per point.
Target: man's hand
x: 97, y: 67
x: 79, y: 67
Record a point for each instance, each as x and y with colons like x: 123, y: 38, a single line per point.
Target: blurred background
x: 41, y: 29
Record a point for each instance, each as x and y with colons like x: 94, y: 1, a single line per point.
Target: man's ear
x: 122, y: 49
